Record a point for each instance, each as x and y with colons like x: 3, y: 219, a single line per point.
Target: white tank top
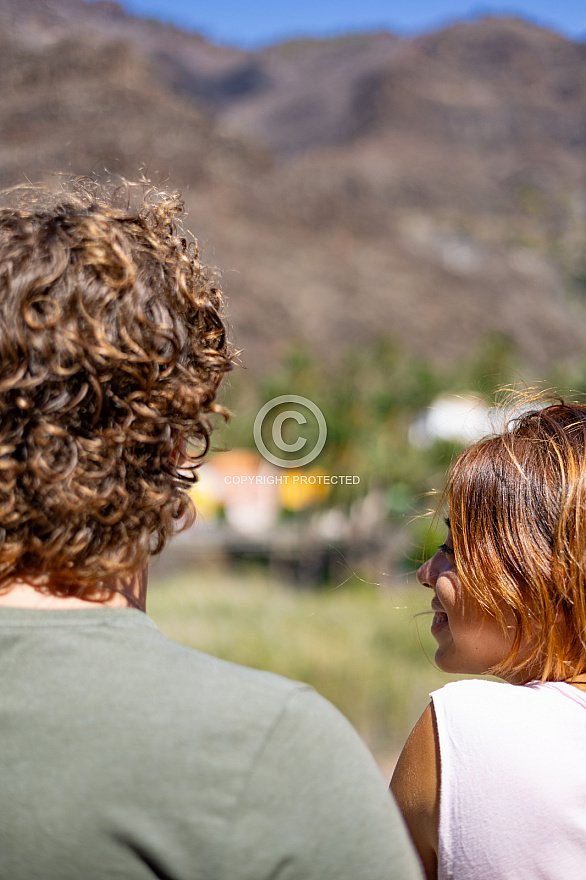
x: 513, y: 781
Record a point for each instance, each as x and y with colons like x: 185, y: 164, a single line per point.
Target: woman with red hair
x: 492, y: 780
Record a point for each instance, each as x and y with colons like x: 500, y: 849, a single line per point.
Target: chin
x: 443, y: 662
x: 453, y: 665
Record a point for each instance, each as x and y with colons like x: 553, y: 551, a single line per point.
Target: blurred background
x: 397, y: 202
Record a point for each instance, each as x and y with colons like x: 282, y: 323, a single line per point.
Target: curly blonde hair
x: 111, y: 352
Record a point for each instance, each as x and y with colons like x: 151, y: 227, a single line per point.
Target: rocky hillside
x: 430, y: 190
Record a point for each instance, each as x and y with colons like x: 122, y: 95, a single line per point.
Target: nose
x: 427, y: 573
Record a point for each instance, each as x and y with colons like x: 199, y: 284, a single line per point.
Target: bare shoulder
x: 416, y: 784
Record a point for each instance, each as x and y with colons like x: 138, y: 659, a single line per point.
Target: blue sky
x: 257, y: 22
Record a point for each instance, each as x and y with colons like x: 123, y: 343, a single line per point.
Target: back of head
x: 518, y: 517
x: 111, y: 351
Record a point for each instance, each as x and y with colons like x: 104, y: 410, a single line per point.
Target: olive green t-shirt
x: 125, y: 756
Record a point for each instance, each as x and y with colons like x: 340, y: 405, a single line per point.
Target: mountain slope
x: 429, y: 190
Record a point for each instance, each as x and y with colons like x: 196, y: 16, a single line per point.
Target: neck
x: 126, y: 592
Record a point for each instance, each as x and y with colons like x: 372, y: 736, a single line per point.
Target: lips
x: 440, y: 618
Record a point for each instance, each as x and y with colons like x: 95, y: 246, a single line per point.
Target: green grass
x: 363, y: 647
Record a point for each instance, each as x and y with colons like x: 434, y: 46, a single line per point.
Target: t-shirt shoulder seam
x: 297, y: 689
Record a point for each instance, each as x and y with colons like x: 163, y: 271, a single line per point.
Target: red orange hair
x: 518, y: 516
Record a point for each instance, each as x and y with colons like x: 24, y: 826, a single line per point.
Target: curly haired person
x: 123, y: 754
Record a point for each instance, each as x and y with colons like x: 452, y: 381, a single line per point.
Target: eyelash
x: 445, y: 549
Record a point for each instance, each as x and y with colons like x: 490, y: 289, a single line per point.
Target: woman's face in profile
x: 469, y: 639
